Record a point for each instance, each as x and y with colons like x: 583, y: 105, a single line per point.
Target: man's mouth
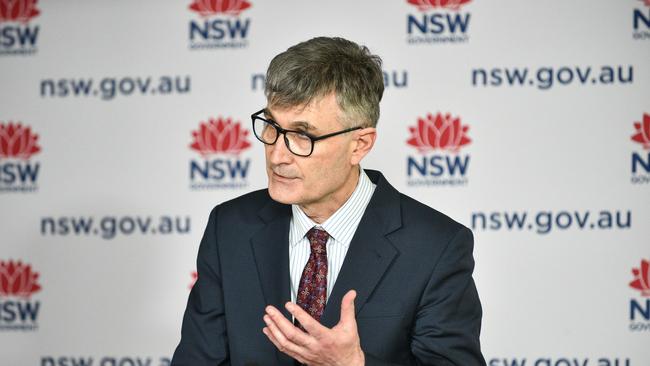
x: 281, y: 177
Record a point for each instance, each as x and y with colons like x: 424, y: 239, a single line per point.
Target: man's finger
x: 347, y: 308
x: 292, y: 333
x: 277, y: 344
x: 270, y: 336
x: 310, y: 324
x: 279, y: 339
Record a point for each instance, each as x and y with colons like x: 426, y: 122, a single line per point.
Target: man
x: 330, y: 265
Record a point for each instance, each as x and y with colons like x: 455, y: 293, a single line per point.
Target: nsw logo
x: 438, y: 140
x: 641, y: 160
x: 18, y: 172
x: 641, y: 21
x: 17, y: 35
x: 219, y: 24
x: 18, y: 282
x: 640, y: 307
x: 220, y: 143
x: 437, y: 21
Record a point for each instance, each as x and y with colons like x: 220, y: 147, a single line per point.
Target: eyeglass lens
x: 297, y: 143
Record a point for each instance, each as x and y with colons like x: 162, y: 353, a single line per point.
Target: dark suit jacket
x: 410, y: 265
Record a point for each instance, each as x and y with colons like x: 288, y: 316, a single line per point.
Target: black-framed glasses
x: 298, y: 142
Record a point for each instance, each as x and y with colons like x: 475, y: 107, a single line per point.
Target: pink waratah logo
x: 17, y: 279
x: 424, y: 5
x: 642, y: 134
x: 220, y: 136
x: 18, y: 10
x: 439, y: 132
x: 195, y: 276
x: 646, y: 2
x: 641, y: 280
x: 212, y: 7
x: 17, y: 141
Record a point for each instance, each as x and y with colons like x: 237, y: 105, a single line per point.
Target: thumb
x: 347, y: 307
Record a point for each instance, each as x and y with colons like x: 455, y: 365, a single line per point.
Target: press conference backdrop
x: 122, y: 123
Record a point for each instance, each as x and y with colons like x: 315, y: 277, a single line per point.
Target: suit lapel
x: 370, y: 252
x: 271, y: 251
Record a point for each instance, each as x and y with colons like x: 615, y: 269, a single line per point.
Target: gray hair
x: 322, y: 65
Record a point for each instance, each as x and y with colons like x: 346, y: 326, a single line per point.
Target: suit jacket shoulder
x: 249, y: 210
x: 418, y: 213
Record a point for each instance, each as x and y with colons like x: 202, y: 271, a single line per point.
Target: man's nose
x: 279, y: 153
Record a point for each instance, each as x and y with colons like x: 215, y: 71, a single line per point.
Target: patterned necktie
x: 312, y: 291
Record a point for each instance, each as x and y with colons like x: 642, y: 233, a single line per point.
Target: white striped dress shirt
x: 340, y: 226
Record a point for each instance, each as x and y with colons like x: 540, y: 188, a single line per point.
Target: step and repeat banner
x: 122, y: 123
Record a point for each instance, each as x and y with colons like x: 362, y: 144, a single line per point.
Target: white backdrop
x: 108, y: 201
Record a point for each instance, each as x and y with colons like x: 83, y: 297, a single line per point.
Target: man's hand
x: 320, y: 345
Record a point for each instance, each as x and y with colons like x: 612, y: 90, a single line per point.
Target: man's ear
x: 363, y: 143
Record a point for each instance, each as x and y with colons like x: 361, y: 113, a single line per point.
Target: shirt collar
x: 339, y: 225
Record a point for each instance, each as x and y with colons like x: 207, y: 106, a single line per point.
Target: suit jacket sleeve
x: 448, y: 319
x: 203, y: 336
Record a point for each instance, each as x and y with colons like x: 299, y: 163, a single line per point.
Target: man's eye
x: 302, y: 135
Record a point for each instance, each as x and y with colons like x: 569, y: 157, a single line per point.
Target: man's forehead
x: 294, y: 110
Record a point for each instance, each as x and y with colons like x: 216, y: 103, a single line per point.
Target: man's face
x: 322, y: 175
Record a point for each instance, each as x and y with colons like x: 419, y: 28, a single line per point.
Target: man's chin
x: 283, y: 194
x: 282, y: 197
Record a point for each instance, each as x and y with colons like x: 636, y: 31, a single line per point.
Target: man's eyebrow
x: 304, y: 125
x: 268, y: 114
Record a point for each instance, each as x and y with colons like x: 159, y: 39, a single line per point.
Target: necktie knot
x: 318, y: 240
